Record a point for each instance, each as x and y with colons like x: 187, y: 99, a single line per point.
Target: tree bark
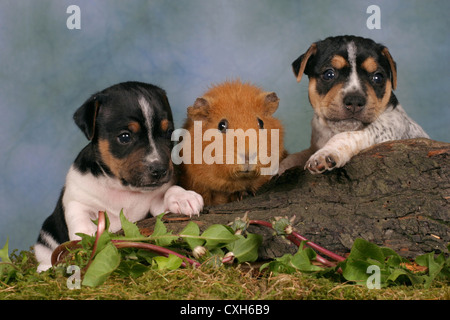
x: 395, y: 194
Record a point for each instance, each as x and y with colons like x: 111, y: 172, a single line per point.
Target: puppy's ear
x: 271, y: 102
x: 299, y: 65
x: 200, y: 109
x: 393, y: 66
x: 86, y: 115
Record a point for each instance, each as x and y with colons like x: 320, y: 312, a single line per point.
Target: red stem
x: 101, y: 225
x: 319, y: 258
x: 319, y: 248
x: 151, y: 247
x: 294, y: 237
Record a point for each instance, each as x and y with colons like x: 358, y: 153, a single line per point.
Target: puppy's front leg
x: 339, y: 150
x: 79, y: 220
x: 179, y: 200
x: 297, y: 159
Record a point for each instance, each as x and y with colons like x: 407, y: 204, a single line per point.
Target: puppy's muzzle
x: 354, y: 102
x: 158, y: 171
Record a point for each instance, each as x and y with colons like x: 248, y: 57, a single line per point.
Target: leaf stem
x: 154, y: 248
x: 295, y: 237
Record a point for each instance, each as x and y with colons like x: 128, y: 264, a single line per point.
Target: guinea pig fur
x: 234, y: 159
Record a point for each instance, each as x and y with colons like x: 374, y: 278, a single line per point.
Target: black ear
x: 299, y: 65
x: 86, y: 115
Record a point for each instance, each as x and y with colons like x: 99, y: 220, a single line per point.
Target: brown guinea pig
x: 231, y: 144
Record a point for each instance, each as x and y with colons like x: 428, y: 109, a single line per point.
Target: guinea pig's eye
x: 377, y: 78
x: 124, y: 138
x: 329, y: 74
x: 260, y: 123
x: 223, y: 125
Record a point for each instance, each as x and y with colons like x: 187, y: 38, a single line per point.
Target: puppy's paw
x: 321, y: 161
x: 179, y: 200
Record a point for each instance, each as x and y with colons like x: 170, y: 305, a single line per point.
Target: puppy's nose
x: 158, y: 170
x: 354, y: 102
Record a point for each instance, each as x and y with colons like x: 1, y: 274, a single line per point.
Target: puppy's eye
x: 377, y: 78
x: 329, y: 74
x: 223, y: 125
x: 260, y: 123
x: 124, y: 138
x: 168, y: 134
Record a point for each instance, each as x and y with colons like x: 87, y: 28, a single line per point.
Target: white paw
x: 323, y: 160
x: 178, y: 200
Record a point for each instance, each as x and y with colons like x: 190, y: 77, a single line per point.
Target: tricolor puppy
x: 351, y: 80
x: 125, y: 166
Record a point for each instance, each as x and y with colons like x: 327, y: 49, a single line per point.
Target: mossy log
x: 395, y: 194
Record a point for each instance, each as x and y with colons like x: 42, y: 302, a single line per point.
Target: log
x: 395, y: 194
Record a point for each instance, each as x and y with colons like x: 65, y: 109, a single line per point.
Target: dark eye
x: 329, y: 74
x: 377, y: 78
x: 168, y: 133
x: 260, y: 123
x: 124, y: 138
x: 223, y: 126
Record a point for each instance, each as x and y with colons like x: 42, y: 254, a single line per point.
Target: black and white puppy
x: 351, y: 83
x: 126, y: 165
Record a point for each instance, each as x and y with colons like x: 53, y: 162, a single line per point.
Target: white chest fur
x: 86, y: 195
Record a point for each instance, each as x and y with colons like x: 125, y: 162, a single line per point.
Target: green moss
x: 235, y: 282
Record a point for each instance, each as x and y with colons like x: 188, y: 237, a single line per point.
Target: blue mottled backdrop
x: 48, y: 70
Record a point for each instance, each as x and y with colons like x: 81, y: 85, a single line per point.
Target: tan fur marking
x: 113, y: 163
x: 387, y: 54
x: 339, y: 62
x: 164, y: 125
x: 311, y: 51
x: 134, y: 126
x: 370, y: 65
x: 377, y: 106
x: 322, y: 103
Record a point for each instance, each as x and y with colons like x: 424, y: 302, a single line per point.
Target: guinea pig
x: 231, y: 143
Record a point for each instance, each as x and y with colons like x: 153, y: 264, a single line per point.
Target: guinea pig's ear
x: 200, y: 109
x: 299, y: 65
x: 86, y: 115
x: 392, y: 65
x: 271, y: 102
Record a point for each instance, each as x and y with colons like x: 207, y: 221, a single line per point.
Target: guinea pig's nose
x: 246, y: 158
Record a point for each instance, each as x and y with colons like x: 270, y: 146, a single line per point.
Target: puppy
x: 351, y: 83
x: 125, y: 166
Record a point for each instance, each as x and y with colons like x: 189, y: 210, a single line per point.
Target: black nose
x: 354, y: 102
x: 158, y: 171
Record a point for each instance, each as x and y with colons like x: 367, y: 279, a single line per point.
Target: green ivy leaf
x: 4, y: 255
x: 246, y: 248
x: 280, y: 265
x: 302, y: 260
x: 397, y: 275
x: 160, y: 230
x: 130, y: 229
x: 192, y: 229
x: 104, y: 263
x: 364, y: 250
x: 171, y: 262
x: 355, y: 270
x: 129, y: 268
x: 434, y: 264
x: 218, y: 235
